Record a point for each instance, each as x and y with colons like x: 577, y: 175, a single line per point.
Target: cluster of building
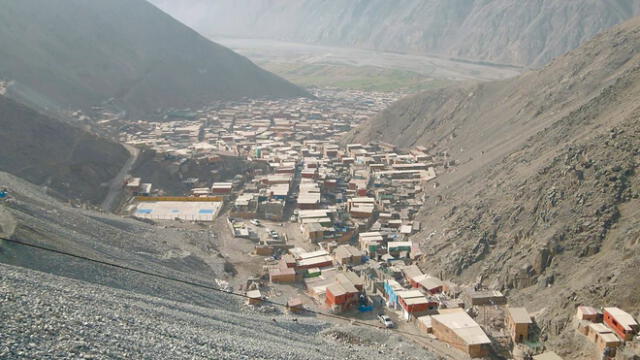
x: 251, y: 130
x: 335, y: 192
x: 235, y: 127
x: 608, y: 328
x: 354, y: 206
x: 324, y: 275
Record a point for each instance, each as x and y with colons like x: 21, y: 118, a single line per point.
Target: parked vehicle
x: 255, y: 222
x: 386, y: 321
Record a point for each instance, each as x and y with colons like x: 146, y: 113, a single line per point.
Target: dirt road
x: 115, y: 187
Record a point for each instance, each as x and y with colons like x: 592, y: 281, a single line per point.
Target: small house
x: 588, y: 313
x: 621, y: 322
x: 282, y: 275
x: 348, y: 255
x: 341, y: 296
x: 391, y: 287
x: 518, y: 323
x: 459, y: 330
x: 221, y: 188
x: 430, y: 284
x: 414, y: 303
x: 603, y: 337
x: 254, y: 297
x: 486, y: 297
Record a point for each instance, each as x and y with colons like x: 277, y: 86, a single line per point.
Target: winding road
x: 116, y: 185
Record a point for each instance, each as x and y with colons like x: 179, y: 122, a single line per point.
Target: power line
x: 203, y: 286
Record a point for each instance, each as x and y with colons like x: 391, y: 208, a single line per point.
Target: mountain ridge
x: 527, y: 33
x: 83, y: 53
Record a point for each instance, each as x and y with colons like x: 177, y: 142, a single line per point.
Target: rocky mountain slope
x: 544, y: 200
x: 80, y: 53
x: 528, y: 33
x: 72, y: 163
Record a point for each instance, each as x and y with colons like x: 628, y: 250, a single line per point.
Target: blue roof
x: 206, y: 211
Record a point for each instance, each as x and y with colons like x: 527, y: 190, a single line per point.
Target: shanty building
x: 588, y: 313
x: 411, y: 273
x: 341, y: 296
x: 221, y: 188
x: 283, y: 273
x: 414, y: 303
x: 518, y: 323
x: 308, y: 201
x: 313, y: 231
x: 391, y: 288
x: 621, y: 322
x: 399, y: 249
x: 370, y: 242
x: 429, y: 284
x: 486, y: 297
x: 603, y: 337
x: 361, y: 207
x: 348, y: 255
x: 315, y: 262
x: 350, y: 278
x: 254, y: 297
x: 460, y: 331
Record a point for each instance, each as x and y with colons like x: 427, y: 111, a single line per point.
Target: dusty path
x: 115, y: 187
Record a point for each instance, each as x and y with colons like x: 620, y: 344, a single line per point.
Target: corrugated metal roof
x: 464, y: 326
x: 520, y: 315
x: 624, y: 318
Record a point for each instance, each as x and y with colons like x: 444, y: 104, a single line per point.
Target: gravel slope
x: 39, y: 219
x: 45, y: 316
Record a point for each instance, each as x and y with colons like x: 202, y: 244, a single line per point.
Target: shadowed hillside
x: 79, y: 53
x: 71, y: 162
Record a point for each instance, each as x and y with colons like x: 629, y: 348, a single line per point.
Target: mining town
x: 328, y: 227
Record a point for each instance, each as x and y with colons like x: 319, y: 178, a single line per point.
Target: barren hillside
x: 81, y: 53
x: 71, y: 162
x: 543, y: 202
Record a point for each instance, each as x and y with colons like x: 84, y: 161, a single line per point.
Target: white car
x: 386, y: 321
x: 255, y: 222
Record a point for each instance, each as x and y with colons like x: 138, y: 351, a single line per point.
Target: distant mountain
x: 79, y: 53
x: 499, y: 31
x: 544, y: 200
x: 71, y: 162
